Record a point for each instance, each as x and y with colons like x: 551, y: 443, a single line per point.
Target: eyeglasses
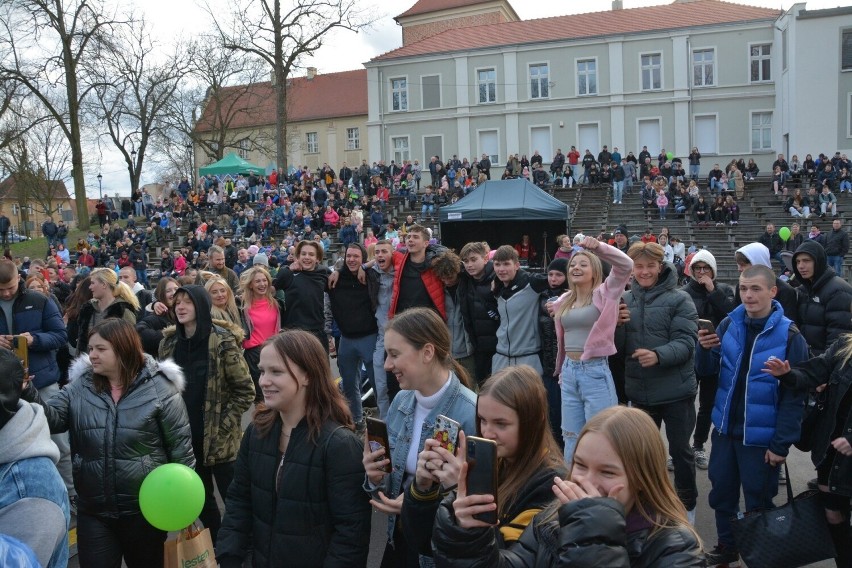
x: 702, y: 269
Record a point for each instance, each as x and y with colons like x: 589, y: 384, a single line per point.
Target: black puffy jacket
x: 479, y: 309
x: 115, y: 445
x: 588, y: 532
x: 713, y: 306
x: 319, y: 516
x: 824, y: 301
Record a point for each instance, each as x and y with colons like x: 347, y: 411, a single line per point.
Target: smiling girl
x: 617, y: 509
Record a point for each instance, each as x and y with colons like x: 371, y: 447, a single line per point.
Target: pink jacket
x: 606, y: 299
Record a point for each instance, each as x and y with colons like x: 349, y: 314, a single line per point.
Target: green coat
x: 230, y: 390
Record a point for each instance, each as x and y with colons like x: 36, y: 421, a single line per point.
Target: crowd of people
x: 570, y: 373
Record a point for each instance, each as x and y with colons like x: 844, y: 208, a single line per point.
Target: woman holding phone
x: 417, y: 343
x: 512, y: 411
x: 616, y: 509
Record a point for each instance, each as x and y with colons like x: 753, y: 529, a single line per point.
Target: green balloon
x: 784, y: 233
x: 171, y: 497
x: 669, y: 155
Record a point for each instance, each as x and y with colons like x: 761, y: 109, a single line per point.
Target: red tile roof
x: 687, y: 13
x: 9, y: 189
x: 327, y: 96
x: 428, y: 6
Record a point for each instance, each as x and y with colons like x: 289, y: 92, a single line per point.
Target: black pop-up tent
x: 500, y: 212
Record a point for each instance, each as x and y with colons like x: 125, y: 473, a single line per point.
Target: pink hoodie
x: 600, y: 342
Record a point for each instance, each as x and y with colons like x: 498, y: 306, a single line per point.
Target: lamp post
x: 100, y: 187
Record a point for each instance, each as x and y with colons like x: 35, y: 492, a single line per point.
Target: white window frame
x: 751, y: 127
x: 848, y: 115
x: 715, y: 116
x: 650, y: 68
x: 495, y: 158
x: 403, y: 92
x: 550, y: 135
x: 423, y: 138
x: 843, y: 32
x: 440, y: 91
x: 480, y: 83
x: 785, y: 48
x: 312, y: 146
x: 545, y: 81
x: 243, y: 147
x: 759, y: 58
x: 587, y: 74
x: 353, y: 142
x: 400, y: 159
x: 639, y: 142
x: 580, y: 146
x: 703, y: 65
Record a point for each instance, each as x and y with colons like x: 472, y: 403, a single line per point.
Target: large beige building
x: 326, y: 116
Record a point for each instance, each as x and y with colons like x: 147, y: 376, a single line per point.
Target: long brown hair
x: 419, y: 326
x: 520, y: 388
x: 125, y: 342
x: 80, y: 296
x: 323, y: 400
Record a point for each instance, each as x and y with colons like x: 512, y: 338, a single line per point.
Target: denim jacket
x: 458, y: 403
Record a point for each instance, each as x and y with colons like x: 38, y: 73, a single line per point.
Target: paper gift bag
x: 193, y: 548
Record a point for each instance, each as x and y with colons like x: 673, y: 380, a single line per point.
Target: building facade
x: 733, y: 80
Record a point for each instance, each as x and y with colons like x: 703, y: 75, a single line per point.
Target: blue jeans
x: 836, y: 262
x: 734, y: 465
x: 352, y: 352
x: 380, y: 377
x: 429, y: 208
x: 693, y: 171
x: 587, y: 388
x: 617, y: 190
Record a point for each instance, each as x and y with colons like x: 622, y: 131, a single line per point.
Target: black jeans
x: 679, y: 417
x: 223, y: 473
x: 104, y: 541
x: 707, y: 386
x: 252, y: 357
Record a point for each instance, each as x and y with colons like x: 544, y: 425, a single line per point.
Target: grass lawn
x: 37, y: 247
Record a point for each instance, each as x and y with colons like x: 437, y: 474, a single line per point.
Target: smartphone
x: 377, y: 437
x: 482, y: 472
x: 19, y: 346
x: 447, y: 433
x: 706, y: 325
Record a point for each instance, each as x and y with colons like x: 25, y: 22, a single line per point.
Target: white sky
x: 347, y: 50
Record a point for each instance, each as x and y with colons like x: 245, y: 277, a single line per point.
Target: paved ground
x: 801, y: 470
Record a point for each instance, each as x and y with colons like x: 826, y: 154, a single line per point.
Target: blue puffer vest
x: 761, y: 391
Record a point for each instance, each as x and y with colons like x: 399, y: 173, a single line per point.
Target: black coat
x: 118, y: 309
x: 836, y: 418
x: 823, y: 301
x: 588, y: 532
x: 479, y: 309
x: 714, y: 306
x: 318, y: 516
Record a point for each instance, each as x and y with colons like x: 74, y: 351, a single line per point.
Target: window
x: 587, y: 77
x: 244, y: 148
x: 486, y: 80
x: 652, y: 70
x: 705, y: 132
x: 846, y: 51
x: 400, y: 149
x: 431, y: 91
x: 539, y: 81
x: 489, y: 143
x: 784, y: 48
x: 702, y: 68
x: 761, y: 131
x: 399, y: 94
x: 313, y: 143
x: 761, y: 62
x: 353, y: 139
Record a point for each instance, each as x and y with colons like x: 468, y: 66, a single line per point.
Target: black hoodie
x: 192, y: 356
x: 824, y: 300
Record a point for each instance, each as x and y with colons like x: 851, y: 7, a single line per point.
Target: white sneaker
x: 690, y: 515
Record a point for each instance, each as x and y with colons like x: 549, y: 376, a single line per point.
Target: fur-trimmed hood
x: 82, y: 367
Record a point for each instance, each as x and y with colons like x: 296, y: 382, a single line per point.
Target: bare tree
x: 282, y: 33
x: 219, y: 91
x: 133, y: 90
x: 43, y: 44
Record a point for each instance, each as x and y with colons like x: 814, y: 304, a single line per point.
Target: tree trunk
x: 280, y: 94
x: 77, y: 172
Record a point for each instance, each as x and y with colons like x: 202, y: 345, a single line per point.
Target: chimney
x: 617, y: 5
x: 312, y: 72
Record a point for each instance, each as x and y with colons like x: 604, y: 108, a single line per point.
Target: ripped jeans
x: 587, y: 388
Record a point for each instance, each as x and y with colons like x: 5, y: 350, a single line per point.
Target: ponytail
x: 123, y: 292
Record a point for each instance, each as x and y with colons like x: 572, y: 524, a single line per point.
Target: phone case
x: 482, y: 472
x: 377, y: 437
x: 447, y: 433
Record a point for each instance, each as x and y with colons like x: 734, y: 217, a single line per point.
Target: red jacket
x: 434, y: 286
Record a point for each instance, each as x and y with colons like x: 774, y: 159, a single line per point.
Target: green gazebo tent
x: 230, y: 164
